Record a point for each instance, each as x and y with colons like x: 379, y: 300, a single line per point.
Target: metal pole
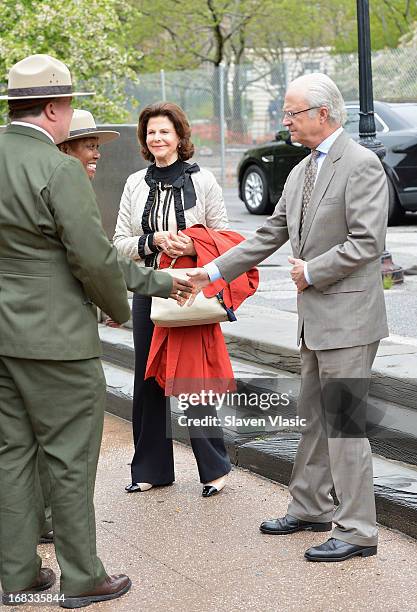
x: 367, y: 129
x: 222, y: 130
x: 163, y: 90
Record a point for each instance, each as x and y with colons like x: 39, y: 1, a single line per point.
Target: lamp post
x: 367, y: 131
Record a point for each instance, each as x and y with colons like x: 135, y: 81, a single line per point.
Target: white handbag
x: 167, y: 313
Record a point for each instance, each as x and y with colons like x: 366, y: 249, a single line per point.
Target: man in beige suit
x: 334, y: 212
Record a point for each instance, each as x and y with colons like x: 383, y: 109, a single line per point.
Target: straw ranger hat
x: 40, y: 76
x: 84, y: 126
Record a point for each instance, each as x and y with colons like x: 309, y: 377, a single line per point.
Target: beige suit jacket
x: 342, y: 240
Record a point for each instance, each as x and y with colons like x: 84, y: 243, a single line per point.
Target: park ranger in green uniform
x: 56, y: 264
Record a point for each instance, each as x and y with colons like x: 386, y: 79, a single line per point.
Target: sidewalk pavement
x: 265, y: 357
x: 189, y: 554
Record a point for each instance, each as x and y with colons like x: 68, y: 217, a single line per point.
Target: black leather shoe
x: 209, y: 491
x: 46, y: 578
x: 290, y: 524
x: 337, y: 550
x: 47, y: 538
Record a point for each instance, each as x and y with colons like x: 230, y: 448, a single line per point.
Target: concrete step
x: 272, y: 341
x: 391, y: 427
x: 271, y: 454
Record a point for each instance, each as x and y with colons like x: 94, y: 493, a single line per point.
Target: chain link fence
x: 233, y: 108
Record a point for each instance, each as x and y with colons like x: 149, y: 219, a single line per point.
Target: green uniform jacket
x: 56, y: 262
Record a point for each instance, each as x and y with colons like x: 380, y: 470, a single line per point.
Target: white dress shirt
x: 34, y: 127
x: 323, y: 148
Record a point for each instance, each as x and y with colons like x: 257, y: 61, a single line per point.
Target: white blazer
x: 209, y: 210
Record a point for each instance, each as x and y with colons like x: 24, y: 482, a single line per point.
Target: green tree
x: 91, y: 36
x: 208, y: 32
x: 390, y: 20
x: 179, y: 35
x: 234, y: 33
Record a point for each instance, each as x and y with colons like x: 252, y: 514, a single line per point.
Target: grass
x: 387, y: 282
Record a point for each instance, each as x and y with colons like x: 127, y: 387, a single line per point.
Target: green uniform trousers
x: 58, y: 407
x: 45, y: 485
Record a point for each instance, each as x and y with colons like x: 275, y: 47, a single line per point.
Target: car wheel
x: 395, y: 210
x: 255, y: 191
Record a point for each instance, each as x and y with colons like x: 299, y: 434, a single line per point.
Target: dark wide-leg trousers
x: 56, y: 406
x: 153, y: 460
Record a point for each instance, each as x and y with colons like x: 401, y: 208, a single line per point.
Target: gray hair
x: 319, y: 90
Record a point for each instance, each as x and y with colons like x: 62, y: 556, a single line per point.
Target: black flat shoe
x: 136, y: 488
x: 290, y: 524
x: 47, y: 538
x: 140, y: 487
x: 337, y: 550
x: 211, y: 489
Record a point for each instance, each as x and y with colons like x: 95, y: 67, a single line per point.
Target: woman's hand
x: 174, y: 245
x: 188, y: 244
x: 166, y: 242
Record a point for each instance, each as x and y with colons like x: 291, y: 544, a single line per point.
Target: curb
x: 273, y: 458
x: 393, y: 379
x: 389, y: 437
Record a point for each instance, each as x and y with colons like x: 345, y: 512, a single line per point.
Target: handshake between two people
x: 177, y: 245
x: 199, y: 279
x: 185, y: 291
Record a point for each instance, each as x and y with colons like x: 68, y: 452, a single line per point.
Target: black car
x: 263, y: 170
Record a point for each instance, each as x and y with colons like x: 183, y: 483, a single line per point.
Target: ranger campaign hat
x: 40, y: 76
x: 84, y: 126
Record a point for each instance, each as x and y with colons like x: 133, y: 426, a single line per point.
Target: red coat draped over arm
x: 195, y: 358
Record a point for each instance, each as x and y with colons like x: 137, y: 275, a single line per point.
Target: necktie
x: 309, y: 180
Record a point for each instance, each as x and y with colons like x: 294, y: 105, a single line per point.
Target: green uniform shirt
x: 56, y: 262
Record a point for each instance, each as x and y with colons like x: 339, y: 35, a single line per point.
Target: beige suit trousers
x: 325, y: 460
